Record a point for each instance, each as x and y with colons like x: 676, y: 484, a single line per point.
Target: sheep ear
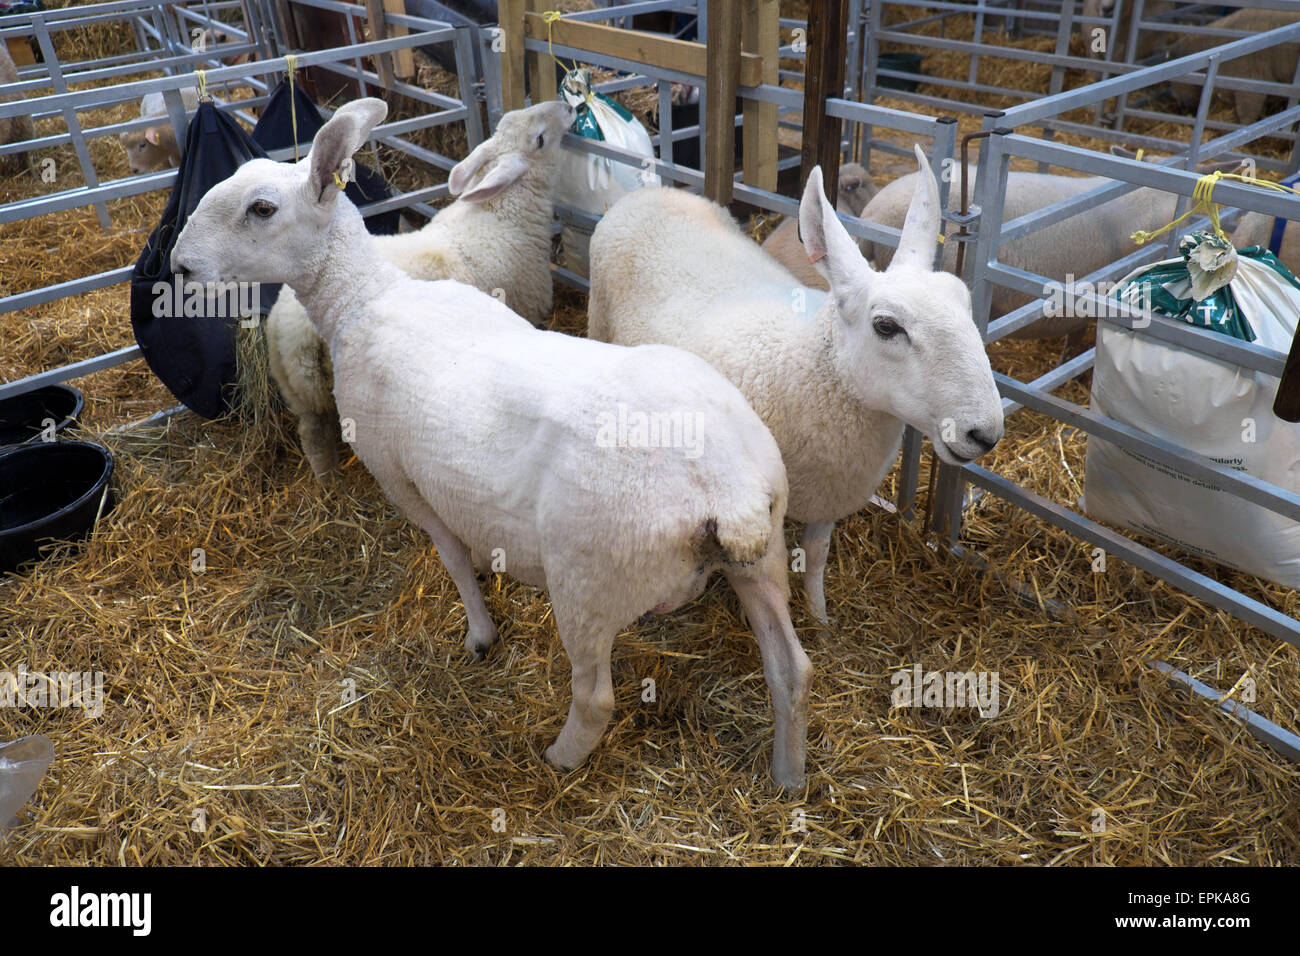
x: 338, y: 139
x: 468, y: 168
x: 506, y: 172
x: 828, y: 244
x: 152, y: 135
x: 1238, y: 166
x: 920, y: 237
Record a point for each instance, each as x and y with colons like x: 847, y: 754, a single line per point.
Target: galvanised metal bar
x: 65, y: 373
x: 100, y: 96
x: 1047, y: 107
x: 1130, y: 174
x: 148, y: 182
x: 1253, y: 612
x: 1280, y: 739
x: 1054, y: 379
x: 49, y: 293
x: 632, y: 9
x: 1242, y: 485
x: 88, y: 173
x: 115, y: 129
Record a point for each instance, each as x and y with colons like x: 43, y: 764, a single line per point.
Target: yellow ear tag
x: 338, y: 180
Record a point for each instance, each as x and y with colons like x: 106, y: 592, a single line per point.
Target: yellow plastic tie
x: 549, y: 17
x: 1139, y: 155
x: 291, y: 64
x: 201, y: 81
x: 1204, y: 196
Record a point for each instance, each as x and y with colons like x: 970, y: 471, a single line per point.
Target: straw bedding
x: 306, y: 698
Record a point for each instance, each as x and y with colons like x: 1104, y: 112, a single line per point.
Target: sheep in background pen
x: 496, y: 237
x: 1077, y: 245
x: 155, y: 147
x: 834, y: 375
x: 1276, y: 64
x: 1100, y: 46
x: 14, y: 129
x: 490, y: 434
x: 854, y: 191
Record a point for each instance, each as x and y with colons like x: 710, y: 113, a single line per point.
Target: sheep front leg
x: 456, y: 559
x: 816, y: 543
x: 1250, y: 106
x: 588, y: 645
x: 787, y: 670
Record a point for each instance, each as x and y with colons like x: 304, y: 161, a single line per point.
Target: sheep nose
x: 985, y: 440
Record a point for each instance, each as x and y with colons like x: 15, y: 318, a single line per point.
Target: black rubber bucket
x: 902, y: 63
x: 50, y: 490
x: 23, y: 417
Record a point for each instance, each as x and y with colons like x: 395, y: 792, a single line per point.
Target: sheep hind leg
x: 588, y: 644
x: 816, y: 543
x: 319, y: 437
x: 482, y: 633
x: 787, y: 670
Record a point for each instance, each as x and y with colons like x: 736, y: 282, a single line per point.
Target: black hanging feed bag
x: 288, y: 105
x: 188, y: 340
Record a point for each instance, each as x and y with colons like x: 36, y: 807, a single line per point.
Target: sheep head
x: 854, y: 190
x: 270, y: 222
x: 525, y: 141
x: 904, y: 340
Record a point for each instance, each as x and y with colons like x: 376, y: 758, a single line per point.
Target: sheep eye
x: 262, y: 209
x: 541, y: 140
x: 885, y: 326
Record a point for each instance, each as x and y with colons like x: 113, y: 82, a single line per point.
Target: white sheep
x: 1077, y: 245
x: 13, y: 129
x: 834, y: 376
x: 1256, y: 229
x: 496, y: 237
x: 490, y: 434
x: 854, y: 190
x: 155, y: 147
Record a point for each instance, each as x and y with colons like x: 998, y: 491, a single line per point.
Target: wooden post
x: 762, y: 35
x: 510, y: 16
x: 1286, y: 403
x: 288, y: 25
x: 541, y: 68
x: 377, y: 28
x: 827, y: 34
x: 721, y: 80
x: 403, y: 60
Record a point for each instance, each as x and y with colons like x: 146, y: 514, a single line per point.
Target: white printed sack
x: 593, y: 183
x: 1215, y: 408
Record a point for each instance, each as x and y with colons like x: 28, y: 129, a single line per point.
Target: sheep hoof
x: 479, y: 645
x: 789, y: 782
x: 558, y: 760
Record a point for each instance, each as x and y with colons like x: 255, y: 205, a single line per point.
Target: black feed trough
x: 50, y: 490
x: 23, y: 417
x: 900, y: 63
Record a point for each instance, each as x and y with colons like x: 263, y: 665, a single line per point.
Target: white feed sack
x: 593, y: 183
x: 1211, y: 407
